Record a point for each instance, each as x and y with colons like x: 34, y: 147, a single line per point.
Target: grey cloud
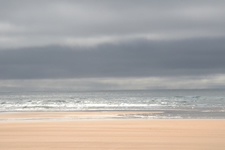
x: 137, y: 58
x: 58, y: 20
x: 54, y: 85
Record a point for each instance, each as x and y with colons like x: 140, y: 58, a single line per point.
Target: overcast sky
x: 111, y: 44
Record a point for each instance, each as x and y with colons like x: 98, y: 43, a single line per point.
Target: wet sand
x: 58, y: 115
x: 173, y: 134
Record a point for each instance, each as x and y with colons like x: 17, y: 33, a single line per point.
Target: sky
x: 111, y: 44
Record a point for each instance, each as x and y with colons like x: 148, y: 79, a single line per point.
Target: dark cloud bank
x: 137, y: 58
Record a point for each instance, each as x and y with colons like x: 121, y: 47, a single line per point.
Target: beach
x: 112, y: 75
x: 109, y: 134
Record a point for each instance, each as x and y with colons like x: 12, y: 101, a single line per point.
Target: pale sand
x: 113, y: 134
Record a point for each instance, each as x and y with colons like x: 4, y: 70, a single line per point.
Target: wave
x: 129, y: 100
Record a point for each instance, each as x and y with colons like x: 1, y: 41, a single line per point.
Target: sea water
x: 208, y: 103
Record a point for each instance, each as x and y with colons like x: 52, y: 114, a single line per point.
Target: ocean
x: 167, y: 104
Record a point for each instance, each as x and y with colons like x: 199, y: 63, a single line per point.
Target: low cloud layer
x: 84, y: 84
x: 129, y: 59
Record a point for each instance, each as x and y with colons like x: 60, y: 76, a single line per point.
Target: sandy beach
x: 174, y: 134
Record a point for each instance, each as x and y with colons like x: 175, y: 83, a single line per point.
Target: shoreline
x: 105, y: 114
x: 81, y: 115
